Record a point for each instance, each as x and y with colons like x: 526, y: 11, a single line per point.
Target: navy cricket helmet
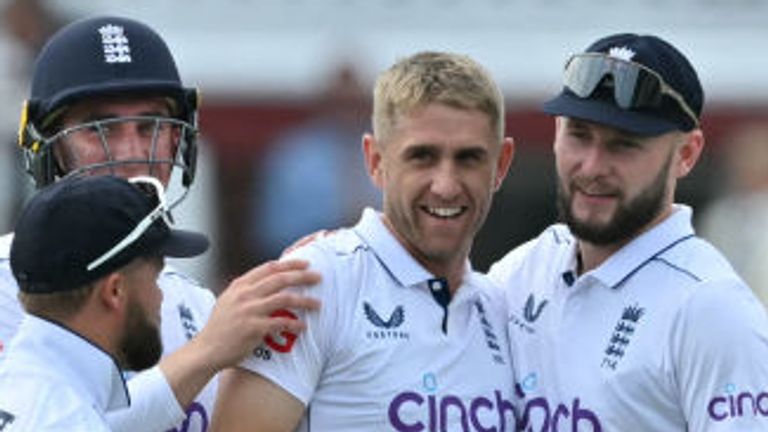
x: 102, y: 57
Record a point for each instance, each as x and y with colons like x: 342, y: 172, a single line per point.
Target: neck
x: 101, y: 335
x: 450, y: 267
x: 453, y: 275
x: 590, y: 255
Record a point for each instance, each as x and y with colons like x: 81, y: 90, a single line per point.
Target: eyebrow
x: 96, y: 116
x: 618, y: 133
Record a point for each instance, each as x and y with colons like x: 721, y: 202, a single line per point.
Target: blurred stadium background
x: 262, y: 66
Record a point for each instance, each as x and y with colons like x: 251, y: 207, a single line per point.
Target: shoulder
x: 554, y: 241
x: 340, y: 249
x: 722, y: 306
x: 174, y: 283
x: 706, y: 285
x: 491, y: 292
x: 44, y: 404
x: 348, y: 268
x: 717, y: 308
x: 696, y: 259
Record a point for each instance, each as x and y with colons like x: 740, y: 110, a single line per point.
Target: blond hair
x: 434, y: 77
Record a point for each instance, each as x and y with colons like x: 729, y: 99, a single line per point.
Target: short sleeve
x: 295, y: 362
x: 721, y: 361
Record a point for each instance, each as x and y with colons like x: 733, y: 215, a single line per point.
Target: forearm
x: 188, y: 370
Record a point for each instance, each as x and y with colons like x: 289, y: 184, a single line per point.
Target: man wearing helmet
x: 100, y: 77
x: 106, y: 99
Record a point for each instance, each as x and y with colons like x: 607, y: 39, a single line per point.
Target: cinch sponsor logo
x: 444, y: 412
x: 542, y: 415
x: 733, y: 405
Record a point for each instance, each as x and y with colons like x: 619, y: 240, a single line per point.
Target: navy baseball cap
x: 637, y: 83
x: 82, y: 228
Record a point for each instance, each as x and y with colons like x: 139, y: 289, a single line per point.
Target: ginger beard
x: 629, y: 218
x: 141, y: 345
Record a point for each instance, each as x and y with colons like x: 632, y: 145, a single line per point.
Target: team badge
x: 621, y: 336
x: 621, y: 53
x: 115, y: 44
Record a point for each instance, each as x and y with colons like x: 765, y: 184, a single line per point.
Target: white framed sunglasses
x: 635, y: 85
x: 160, y: 211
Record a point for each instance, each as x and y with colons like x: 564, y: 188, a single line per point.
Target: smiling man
x: 622, y: 319
x: 409, y: 337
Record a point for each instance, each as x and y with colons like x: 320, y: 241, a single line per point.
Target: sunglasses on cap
x: 634, y: 85
x: 154, y: 189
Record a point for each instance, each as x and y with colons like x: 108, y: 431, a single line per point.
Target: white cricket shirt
x: 55, y: 380
x: 381, y: 354
x: 185, y: 309
x: 663, y: 336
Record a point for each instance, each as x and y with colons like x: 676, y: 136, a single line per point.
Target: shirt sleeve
x: 153, y: 405
x: 295, y: 362
x: 722, y: 351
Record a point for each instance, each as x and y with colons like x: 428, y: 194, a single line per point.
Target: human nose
x: 594, y: 160
x: 130, y: 140
x: 446, y: 183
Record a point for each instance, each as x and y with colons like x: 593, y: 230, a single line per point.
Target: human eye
x: 146, y: 127
x: 471, y: 156
x: 579, y: 132
x: 420, y: 155
x: 89, y: 131
x: 624, y: 144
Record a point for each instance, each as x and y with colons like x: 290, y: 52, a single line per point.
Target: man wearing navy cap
x: 86, y: 255
x: 621, y: 318
x: 106, y: 98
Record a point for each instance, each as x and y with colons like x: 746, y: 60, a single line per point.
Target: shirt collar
x: 393, y: 256
x: 91, y: 371
x: 633, y: 256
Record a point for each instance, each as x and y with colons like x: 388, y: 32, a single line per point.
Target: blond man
x: 409, y: 337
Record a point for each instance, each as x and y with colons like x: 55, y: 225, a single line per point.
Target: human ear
x: 373, y: 158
